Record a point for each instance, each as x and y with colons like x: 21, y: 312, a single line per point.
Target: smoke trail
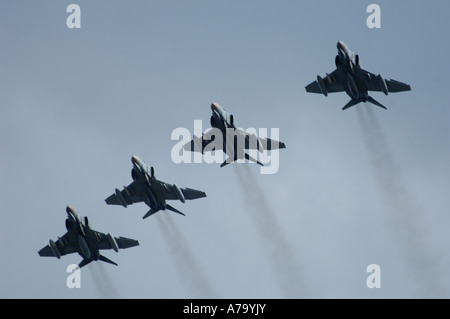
x: 185, y: 262
x: 405, y: 213
x: 102, y: 282
x: 279, y: 252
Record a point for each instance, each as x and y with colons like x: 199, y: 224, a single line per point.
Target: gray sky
x: 77, y: 104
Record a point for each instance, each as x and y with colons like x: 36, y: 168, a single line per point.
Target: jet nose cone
x: 135, y: 159
x: 341, y: 45
x: 215, y: 107
x: 72, y: 213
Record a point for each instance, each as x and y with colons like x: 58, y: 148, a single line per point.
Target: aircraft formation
x: 80, y: 238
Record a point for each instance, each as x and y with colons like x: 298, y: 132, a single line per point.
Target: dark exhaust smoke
x: 279, y: 251
x: 405, y: 216
x: 103, y: 283
x: 185, y: 262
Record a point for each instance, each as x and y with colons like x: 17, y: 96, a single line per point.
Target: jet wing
x: 372, y: 83
x: 334, y: 82
x: 396, y: 86
x: 171, y: 192
x: 124, y: 242
x: 129, y: 195
x: 254, y: 143
x: 198, y: 144
x: 244, y: 141
x: 190, y: 193
x: 103, y: 242
x: 64, y: 246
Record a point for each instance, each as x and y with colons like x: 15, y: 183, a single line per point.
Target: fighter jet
x: 146, y: 188
x: 82, y: 239
x: 351, y: 78
x: 235, y: 141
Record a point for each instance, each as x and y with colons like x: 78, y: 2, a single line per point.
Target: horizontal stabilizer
x: 149, y: 213
x: 373, y: 101
x: 173, y: 209
x: 106, y: 260
x: 224, y: 163
x: 351, y: 103
x: 84, y: 262
x: 247, y: 157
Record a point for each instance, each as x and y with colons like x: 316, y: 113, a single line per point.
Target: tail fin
x: 173, y: 209
x: 373, y: 101
x: 106, y: 260
x: 149, y: 213
x: 350, y: 104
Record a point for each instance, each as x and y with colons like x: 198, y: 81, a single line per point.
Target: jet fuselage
x: 79, y: 229
x: 221, y: 119
x: 224, y: 121
x: 348, y: 61
x: 144, y: 175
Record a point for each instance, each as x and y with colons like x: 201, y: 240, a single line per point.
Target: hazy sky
x: 356, y: 187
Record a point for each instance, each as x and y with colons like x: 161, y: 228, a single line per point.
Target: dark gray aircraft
x: 82, y: 239
x: 351, y: 78
x: 146, y: 188
x: 235, y: 141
